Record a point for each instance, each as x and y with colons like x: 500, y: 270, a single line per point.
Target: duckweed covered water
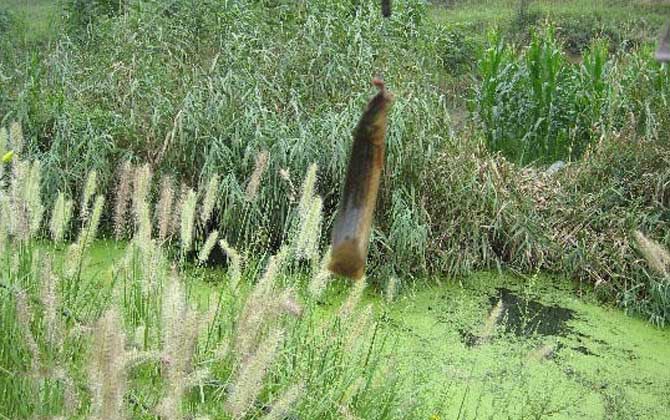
x: 549, y: 353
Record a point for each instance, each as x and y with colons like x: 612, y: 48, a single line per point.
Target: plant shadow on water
x: 523, y: 317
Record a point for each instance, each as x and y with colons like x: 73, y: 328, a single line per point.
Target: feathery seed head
x: 321, y: 278
x: 234, y: 264
x: 254, y: 182
x: 54, y: 328
x: 33, y: 199
x: 209, y: 201
x: 89, y: 190
x: 60, y: 218
x: 107, y: 367
x: 203, y: 256
x: 391, y: 289
x: 283, y: 405
x: 175, y: 226
x: 656, y: 256
x: 164, y: 208
x: 16, y: 137
x: 24, y: 317
x: 310, y: 231
x: 307, y: 191
x: 352, y: 301
x: 141, y: 189
x: 249, y: 378
x: 4, y: 137
x: 187, y: 219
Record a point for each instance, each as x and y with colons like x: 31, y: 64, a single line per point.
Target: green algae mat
x: 500, y: 347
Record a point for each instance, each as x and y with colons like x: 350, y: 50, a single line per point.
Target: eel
x: 351, y: 232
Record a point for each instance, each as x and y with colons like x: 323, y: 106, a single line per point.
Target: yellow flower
x: 7, y: 157
x: 434, y: 417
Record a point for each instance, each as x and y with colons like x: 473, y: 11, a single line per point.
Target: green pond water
x: 498, y: 346
x: 495, y: 346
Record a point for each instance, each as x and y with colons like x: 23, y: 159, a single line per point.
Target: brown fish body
x: 351, y: 233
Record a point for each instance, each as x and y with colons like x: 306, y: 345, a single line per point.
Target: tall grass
x: 139, y: 343
x: 194, y: 101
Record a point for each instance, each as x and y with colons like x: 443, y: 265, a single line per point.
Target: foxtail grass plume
x: 107, y: 367
x: 187, y: 220
x: 307, y: 190
x: 255, y: 181
x: 24, y: 316
x: 141, y: 188
x: 4, y: 138
x: 91, y: 228
x: 16, y: 137
x: 60, y: 217
x: 33, y: 198
x: 234, y: 264
x: 164, y: 208
x: 310, y: 231
x: 180, y: 333
x: 286, y: 176
x: 321, y: 278
x: 141, y: 211
x: 358, y: 323
x: 207, y: 247
x: 175, y: 225
x: 656, y: 255
x: 20, y: 223
x: 87, y: 235
x: 209, y: 201
x: 261, y: 306
x: 288, y: 302
x: 124, y: 175
x: 5, y: 217
x: 53, y: 327
x: 285, y: 403
x: 89, y: 191
x: 249, y: 379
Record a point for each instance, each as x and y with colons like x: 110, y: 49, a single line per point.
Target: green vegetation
x: 33, y: 20
x: 528, y: 137
x: 261, y: 102
x: 113, y: 330
x: 109, y: 329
